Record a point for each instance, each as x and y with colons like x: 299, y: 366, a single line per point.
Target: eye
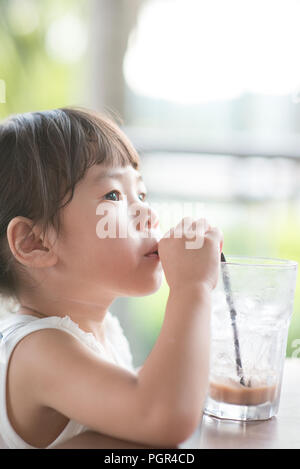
x: 144, y: 196
x: 112, y: 192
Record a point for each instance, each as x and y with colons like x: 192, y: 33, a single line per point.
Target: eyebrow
x: 112, y: 175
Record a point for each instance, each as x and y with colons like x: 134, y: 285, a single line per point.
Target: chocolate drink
x: 235, y: 393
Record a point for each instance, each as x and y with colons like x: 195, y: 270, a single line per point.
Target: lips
x: 153, y: 252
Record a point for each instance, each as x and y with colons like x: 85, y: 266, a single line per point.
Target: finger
x: 169, y: 234
x: 183, y: 226
x: 196, y: 234
x: 185, y: 223
x: 198, y: 228
x: 197, y: 241
x: 203, y: 225
x: 216, y: 235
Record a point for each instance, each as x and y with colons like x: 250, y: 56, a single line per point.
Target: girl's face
x: 107, y: 229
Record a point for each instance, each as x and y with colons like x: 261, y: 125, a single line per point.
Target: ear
x: 27, y: 245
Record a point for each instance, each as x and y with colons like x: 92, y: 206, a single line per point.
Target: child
x: 65, y: 363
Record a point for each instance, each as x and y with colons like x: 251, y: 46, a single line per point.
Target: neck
x: 88, y: 316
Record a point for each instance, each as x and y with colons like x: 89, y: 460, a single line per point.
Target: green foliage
x: 288, y: 247
x: 34, y: 79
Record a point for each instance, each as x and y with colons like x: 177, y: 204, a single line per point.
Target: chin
x: 154, y: 287
x: 148, y: 288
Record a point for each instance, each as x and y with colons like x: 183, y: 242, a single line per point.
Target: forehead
x: 98, y: 173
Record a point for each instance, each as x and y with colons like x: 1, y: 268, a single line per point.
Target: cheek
x: 117, y: 252
x: 93, y: 244
x: 112, y: 239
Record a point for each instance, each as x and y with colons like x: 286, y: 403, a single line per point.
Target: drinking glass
x: 251, y: 313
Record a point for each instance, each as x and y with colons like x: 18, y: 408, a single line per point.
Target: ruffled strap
x: 115, y: 333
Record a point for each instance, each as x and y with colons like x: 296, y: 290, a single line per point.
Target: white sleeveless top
x: 14, y: 327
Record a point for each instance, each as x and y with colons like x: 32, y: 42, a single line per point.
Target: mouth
x: 153, y: 253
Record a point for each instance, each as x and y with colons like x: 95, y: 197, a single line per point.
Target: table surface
x: 282, y: 431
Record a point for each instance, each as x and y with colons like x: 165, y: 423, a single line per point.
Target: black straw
x: 229, y: 299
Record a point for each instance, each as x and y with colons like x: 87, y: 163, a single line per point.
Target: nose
x: 147, y: 219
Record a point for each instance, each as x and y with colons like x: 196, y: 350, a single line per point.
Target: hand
x: 190, y: 254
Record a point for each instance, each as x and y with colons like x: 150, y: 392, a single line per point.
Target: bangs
x: 98, y: 140
x: 94, y: 139
x: 102, y: 139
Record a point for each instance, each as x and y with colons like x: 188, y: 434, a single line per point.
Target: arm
x: 175, y: 374
x: 59, y: 372
x: 93, y: 440
x: 160, y: 406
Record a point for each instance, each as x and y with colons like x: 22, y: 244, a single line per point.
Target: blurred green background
x: 204, y: 97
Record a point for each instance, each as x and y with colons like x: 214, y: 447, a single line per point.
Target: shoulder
x: 38, y: 356
x: 45, y: 342
x: 42, y: 339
